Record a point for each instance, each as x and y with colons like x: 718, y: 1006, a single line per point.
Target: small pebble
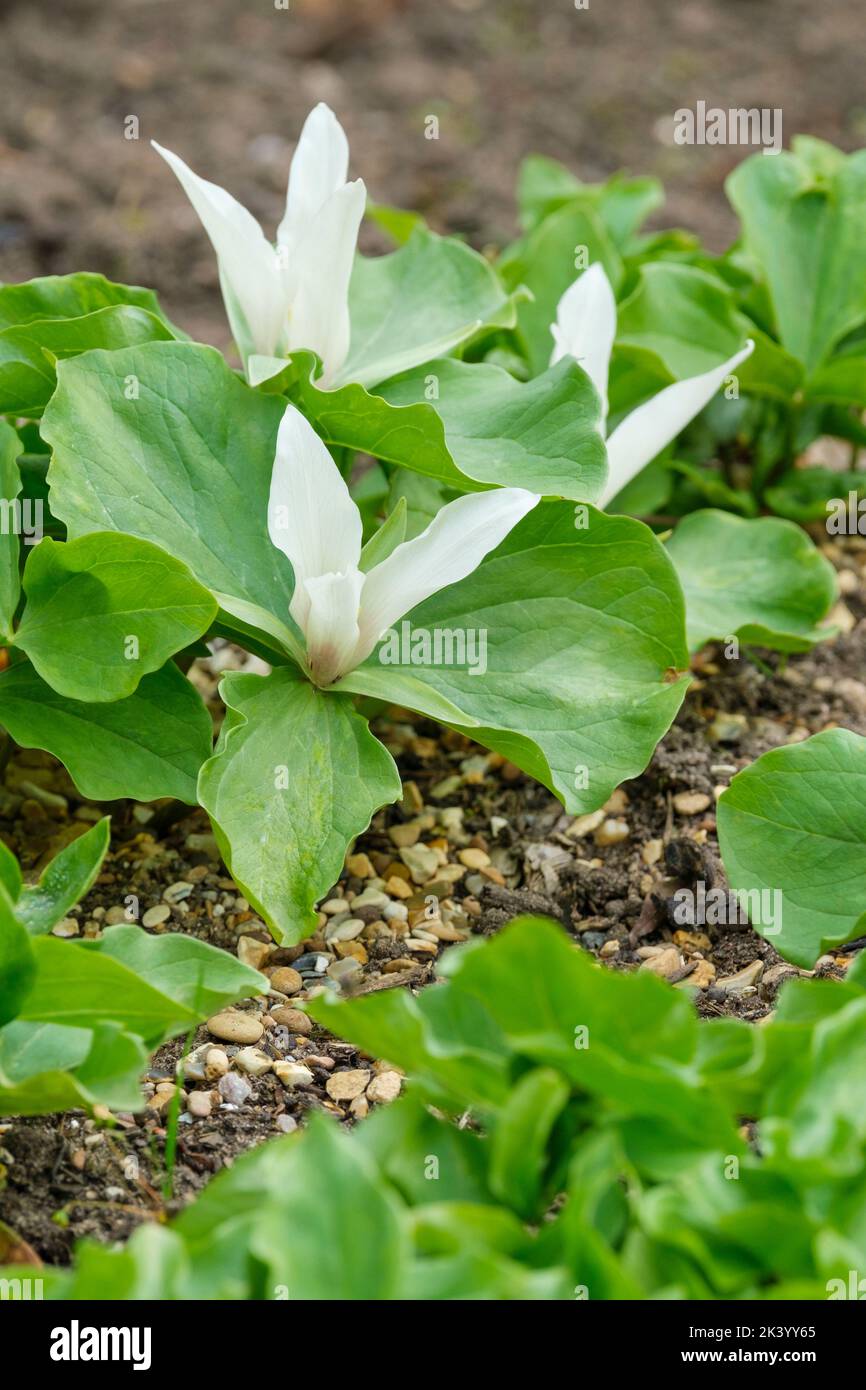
x: 346, y: 1085
x: 156, y: 915
x: 385, y: 1087
x: 235, y: 1027
x: 293, y: 1074
x: 691, y: 803
x: 234, y: 1089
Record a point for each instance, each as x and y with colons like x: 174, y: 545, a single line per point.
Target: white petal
x: 332, y: 624
x: 586, y: 326
x: 453, y: 545
x: 322, y: 269
x: 250, y: 275
x: 261, y: 369
x: 319, y: 167
x: 311, y: 516
x: 646, y: 431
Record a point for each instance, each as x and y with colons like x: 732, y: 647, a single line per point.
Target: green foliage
x: 792, y: 827
x: 603, y: 1158
x: 78, y: 1018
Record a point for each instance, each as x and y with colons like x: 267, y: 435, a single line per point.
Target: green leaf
x: 10, y: 872
x: 680, y: 321
x: 154, y: 986
x: 582, y: 634
x: 521, y: 1135
x: 417, y: 303
x: 842, y: 380
x: 190, y: 459
x: 804, y: 226
x: 310, y: 1215
x: 544, y: 262
x: 46, y: 1067
x: 295, y: 776
x: 761, y: 580
x: 793, y: 836
x: 17, y: 963
x: 543, y: 435
x: 808, y: 494
x: 484, y: 428
x: 384, y: 542
x: 10, y: 487
x: 148, y: 746
x: 28, y: 353
x: 69, y: 297
x: 65, y: 881
x: 104, y: 610
x: 200, y: 977
x: 544, y: 185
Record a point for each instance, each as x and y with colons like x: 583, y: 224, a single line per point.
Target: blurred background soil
x: 227, y: 83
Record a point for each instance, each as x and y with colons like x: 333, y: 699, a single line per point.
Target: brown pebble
x: 293, y: 1019
x: 285, y: 980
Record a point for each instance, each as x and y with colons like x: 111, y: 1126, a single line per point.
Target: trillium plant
x: 399, y: 449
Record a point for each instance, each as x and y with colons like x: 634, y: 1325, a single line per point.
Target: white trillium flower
x: 585, y: 329
x: 295, y: 294
x: 313, y: 520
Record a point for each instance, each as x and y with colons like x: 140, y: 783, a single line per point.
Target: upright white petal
x: 250, y: 275
x: 311, y: 516
x: 322, y: 269
x: 646, y: 431
x: 453, y: 545
x: 332, y: 624
x: 319, y: 167
x: 586, y: 327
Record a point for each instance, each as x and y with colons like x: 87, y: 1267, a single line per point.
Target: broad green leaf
x: 543, y: 435
x: 154, y: 986
x: 680, y: 321
x: 793, y: 837
x: 151, y: 1266
x: 309, y: 1215
x: 10, y: 872
x: 29, y: 352
x: 17, y: 962
x: 761, y: 580
x: 48, y: 1066
x: 148, y: 746
x: 417, y: 303
x: 804, y: 226
x: 481, y: 428
x: 626, y: 1039
x: 65, y: 881
x: 843, y: 380
x: 581, y: 633
x: 106, y: 609
x: 550, y: 259
x: 544, y: 185
x: 10, y: 527
x: 192, y: 973
x: 69, y: 297
x: 817, y: 494
x: 189, y: 460
x: 520, y: 1138
x: 295, y: 776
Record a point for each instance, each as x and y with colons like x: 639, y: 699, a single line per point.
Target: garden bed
x: 69, y: 1176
